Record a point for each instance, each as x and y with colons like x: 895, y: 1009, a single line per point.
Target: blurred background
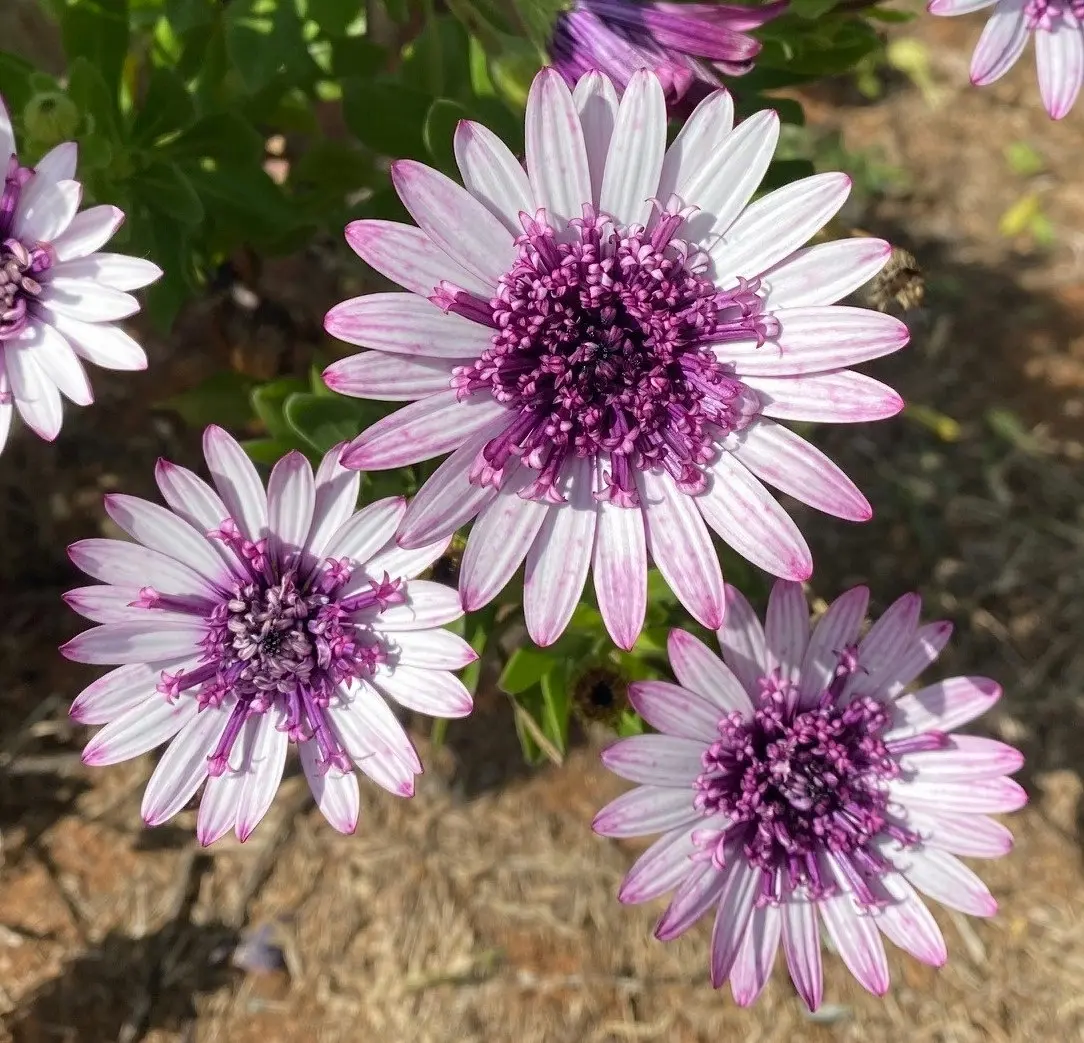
x: 485, y: 910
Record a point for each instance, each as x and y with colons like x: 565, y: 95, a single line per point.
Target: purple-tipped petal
x: 698, y: 142
x: 698, y: 893
x: 335, y: 497
x: 217, y: 814
x: 131, y: 564
x: 786, y: 461
x: 620, y: 572
x: 336, y: 793
x: 657, y: 760
x: 390, y: 378
x: 137, y: 730
x: 105, y: 604
x: 428, y: 605
x: 826, y: 273
x: 969, y: 836
x: 36, y: 396
x: 1001, y: 43
x: 183, y: 766
x: 751, y: 520
x: 702, y: 672
x: 854, y: 934
x: 786, y: 628
x: 660, y: 868
x: 964, y: 757
x: 264, y: 757
x: 777, y: 224
x: 596, y: 101
x: 165, y: 635
x: 434, y: 425
x: 976, y: 796
x: 837, y: 629
x: 742, y: 641
x: 634, y: 162
x: 400, y: 324
x: 433, y: 650
x: 905, y: 921
x: 943, y: 706
x: 237, y: 481
x: 87, y: 232
x: 408, y: 257
x: 842, y: 397
x: 560, y: 557
x: 802, y: 947
x: 681, y: 547
x: 492, y: 174
x: 674, y: 710
x: 945, y: 878
x: 366, y: 532
x: 455, y: 222
x: 556, y: 154
x: 432, y: 692
x: 927, y: 645
x: 645, y: 810
x: 499, y: 540
x: 1059, y: 56
x: 753, y: 965
x: 732, y: 919
x: 115, y: 693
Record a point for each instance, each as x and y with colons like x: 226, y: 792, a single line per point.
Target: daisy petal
x: 131, y: 564
x: 596, y: 101
x: 842, y: 397
x: 674, y: 710
x: 660, y: 868
x: 104, y: 345
x: 1059, y: 55
x: 825, y: 273
x: 943, y: 706
x: 183, y: 766
x: 786, y: 461
x: 428, y: 605
x: 237, y: 481
x: 263, y: 742
x: 659, y: 760
x: 786, y: 628
x: 432, y: 692
x: 163, y: 635
x: 433, y: 650
x: 560, y: 557
x: 87, y: 232
x: 906, y: 922
x: 742, y: 641
x: 366, y: 532
x: 1002, y: 42
x: 456, y: 222
x: 749, y: 519
x: 699, y: 892
x: 408, y: 257
x: 58, y: 164
x: 632, y: 171
x: 45, y: 209
x: 218, y: 807
x: 701, y: 671
x: 87, y: 301
x: 645, y: 810
x: 620, y: 572
x: 837, y: 629
x: 697, y: 144
x: 402, y: 324
x: 115, y: 693
x: 429, y: 427
x: 736, y: 903
x: 336, y: 496
x: 681, y: 547
x: 492, y: 174
x: 777, y: 224
x: 336, y: 793
x: 291, y: 496
x: 142, y: 728
x: 945, y: 878
x: 390, y: 378
x: 556, y: 154
x: 59, y: 363
x: 118, y: 271
x: 36, y: 396
x: 855, y: 937
x: 753, y: 965
x: 802, y: 946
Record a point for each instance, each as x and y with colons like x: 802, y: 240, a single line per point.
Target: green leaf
x: 221, y: 399
x: 267, y: 451
x: 164, y: 189
x: 263, y: 40
x: 89, y: 90
x: 439, y: 132
x: 247, y: 196
x: 184, y: 15
x: 437, y: 60
x: 328, y: 172
x: 323, y: 422
x: 333, y: 16
x: 356, y: 56
x: 387, y: 116
x: 97, y: 31
x: 269, y: 401
x: 224, y: 137
x: 538, y: 18
x: 628, y: 724
x: 556, y: 706
x: 525, y: 668
x: 811, y: 10
x: 166, y: 107
x: 15, y: 86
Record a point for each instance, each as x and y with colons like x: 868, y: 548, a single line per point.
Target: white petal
x: 336, y: 496
x: 366, y: 532
x: 104, y: 345
x: 432, y: 692
x: 237, y: 481
x: 336, y: 793
x: 823, y: 274
x: 700, y: 670
x: 119, y: 271
x: 835, y: 630
x: 596, y: 101
x: 291, y: 495
x: 742, y: 642
x: 88, y: 231
x: 634, y: 162
x: 492, y: 174
x: 86, y: 301
x: 620, y: 571
x: 46, y: 209
x: 263, y: 744
x: 697, y: 144
x: 140, y: 729
x: 59, y: 363
x: 36, y: 396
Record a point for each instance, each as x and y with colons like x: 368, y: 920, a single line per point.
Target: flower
x: 686, y: 45
x: 608, y: 389
x: 246, y: 620
x: 59, y: 296
x: 800, y: 780
x: 1058, y: 28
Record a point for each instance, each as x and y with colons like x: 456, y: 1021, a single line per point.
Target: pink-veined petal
x: 842, y: 397
x: 645, y: 810
x: 596, y: 101
x: 674, y: 710
x: 336, y: 793
x: 701, y: 671
x: 824, y: 274
x: 742, y: 642
x: 492, y: 174
x: 237, y: 481
x: 631, y: 177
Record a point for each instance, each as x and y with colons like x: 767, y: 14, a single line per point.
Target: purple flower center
x: 282, y: 641
x: 798, y: 780
x: 603, y: 344
x: 1050, y: 14
x: 21, y: 263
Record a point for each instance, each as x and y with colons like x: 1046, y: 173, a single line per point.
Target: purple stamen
x: 1048, y: 14
x: 801, y: 780
x: 604, y: 345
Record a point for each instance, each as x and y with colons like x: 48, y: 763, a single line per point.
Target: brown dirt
x: 484, y: 909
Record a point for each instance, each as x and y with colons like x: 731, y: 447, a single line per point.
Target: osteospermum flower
x: 800, y: 784
x: 58, y: 294
x: 1058, y: 28
x: 606, y: 343
x: 247, y: 620
x: 687, y: 45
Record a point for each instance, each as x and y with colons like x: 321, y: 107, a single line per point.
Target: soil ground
x: 484, y: 910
